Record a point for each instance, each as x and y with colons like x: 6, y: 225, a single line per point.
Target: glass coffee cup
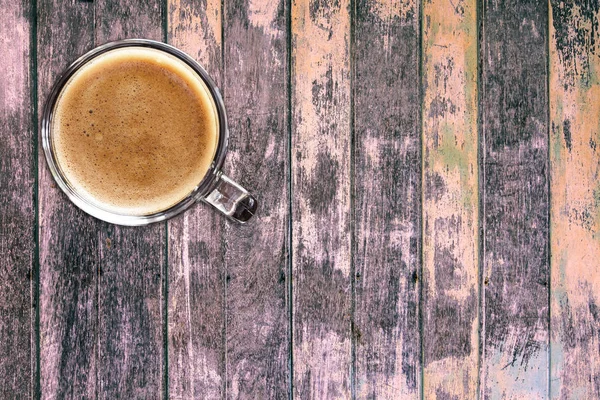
x: 213, y: 188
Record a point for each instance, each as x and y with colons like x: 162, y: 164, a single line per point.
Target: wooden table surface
x: 428, y: 174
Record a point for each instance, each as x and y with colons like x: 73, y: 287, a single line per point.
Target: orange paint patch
x: 450, y: 201
x: 575, y: 209
x: 321, y: 75
x: 196, y: 34
x: 321, y: 157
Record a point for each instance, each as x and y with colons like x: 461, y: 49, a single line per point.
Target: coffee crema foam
x: 135, y: 130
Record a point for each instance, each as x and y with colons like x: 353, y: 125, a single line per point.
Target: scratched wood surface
x: 18, y: 302
x: 69, y: 253
x: 196, y: 274
x: 132, y: 260
x: 100, y: 334
x: 321, y: 220
x: 575, y: 208
x: 388, y: 199
x: 256, y: 255
x: 450, y: 200
x: 429, y: 221
x: 515, y: 227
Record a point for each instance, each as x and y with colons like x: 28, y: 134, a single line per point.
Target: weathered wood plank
x: 130, y: 302
x: 69, y: 238
x: 17, y: 214
x: 196, y: 266
x: 256, y: 254
x: 321, y: 199
x: 575, y: 194
x: 388, y: 198
x: 514, y: 118
x: 112, y: 335
x: 450, y: 201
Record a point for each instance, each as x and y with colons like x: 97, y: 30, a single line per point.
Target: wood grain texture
x: 17, y: 214
x: 69, y: 239
x: 575, y: 208
x: 101, y: 333
x: 514, y: 123
x: 388, y: 198
x: 130, y: 334
x: 321, y: 199
x: 130, y: 302
x: 196, y: 266
x: 450, y: 201
x: 256, y: 254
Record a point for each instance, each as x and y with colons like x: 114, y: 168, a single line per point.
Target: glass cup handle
x: 232, y: 200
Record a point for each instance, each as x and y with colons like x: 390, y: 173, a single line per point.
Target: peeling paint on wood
x: 196, y: 273
x: 256, y: 254
x: 515, y: 270
x: 130, y: 298
x: 69, y: 239
x: 17, y: 213
x: 450, y: 201
x: 130, y: 341
x: 321, y: 199
x: 388, y: 196
x: 575, y: 208
x: 101, y: 298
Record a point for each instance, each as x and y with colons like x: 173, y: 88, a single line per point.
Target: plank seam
x: 422, y: 194
x: 352, y: 66
x: 549, y: 208
x: 224, y: 275
x: 165, y: 278
x: 480, y: 10
x: 165, y: 303
x: 290, y: 305
x: 481, y: 188
x: 97, y: 274
x: 165, y: 19
x: 223, y: 247
x: 35, y: 338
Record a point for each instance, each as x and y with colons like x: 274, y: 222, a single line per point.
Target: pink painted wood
x: 321, y: 235
x: 69, y: 240
x: 387, y: 264
x: 130, y: 282
x: 196, y: 304
x: 100, y: 291
x: 514, y: 192
x: 450, y: 201
x: 256, y: 255
x: 575, y: 208
x: 18, y: 258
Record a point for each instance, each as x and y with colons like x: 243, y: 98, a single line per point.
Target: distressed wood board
x: 69, y: 254
x: 132, y: 260
x: 18, y: 163
x: 450, y: 201
x: 387, y: 190
x: 256, y: 254
x: 100, y: 285
x: 321, y: 213
x: 515, y: 270
x: 196, y: 274
x: 575, y: 207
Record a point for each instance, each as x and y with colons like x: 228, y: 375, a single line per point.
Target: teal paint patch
x: 518, y: 378
x: 557, y: 360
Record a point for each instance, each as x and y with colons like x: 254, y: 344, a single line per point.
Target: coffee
x: 135, y: 130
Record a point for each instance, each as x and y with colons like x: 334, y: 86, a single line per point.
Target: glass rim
x: 204, y: 187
